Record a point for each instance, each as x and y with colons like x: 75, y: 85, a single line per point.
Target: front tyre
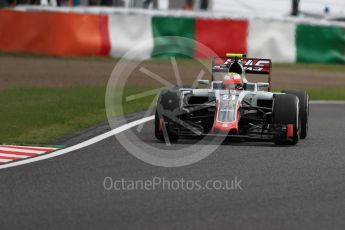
x: 286, y: 113
x: 159, y: 127
x: 166, y: 116
x: 303, y: 110
x: 162, y: 123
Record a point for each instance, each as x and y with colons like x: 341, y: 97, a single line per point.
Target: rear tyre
x: 286, y: 112
x: 303, y: 110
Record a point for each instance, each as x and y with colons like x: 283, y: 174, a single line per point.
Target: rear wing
x: 250, y: 65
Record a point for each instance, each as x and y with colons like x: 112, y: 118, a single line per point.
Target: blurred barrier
x: 60, y: 34
x: 272, y: 39
x: 221, y: 35
x: 163, y: 27
x: 320, y: 44
x: 128, y: 31
x: 81, y: 34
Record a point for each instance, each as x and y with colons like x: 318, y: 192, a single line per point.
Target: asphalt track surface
x: 299, y: 187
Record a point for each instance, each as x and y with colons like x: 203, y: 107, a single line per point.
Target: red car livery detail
x: 226, y: 125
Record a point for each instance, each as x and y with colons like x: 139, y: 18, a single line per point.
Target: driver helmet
x: 232, y: 81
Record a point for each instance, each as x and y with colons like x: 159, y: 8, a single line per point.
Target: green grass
x: 42, y: 115
x: 327, y: 94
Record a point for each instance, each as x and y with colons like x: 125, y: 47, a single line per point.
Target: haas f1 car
x: 232, y: 107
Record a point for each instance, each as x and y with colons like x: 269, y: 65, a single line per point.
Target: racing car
x: 233, y: 107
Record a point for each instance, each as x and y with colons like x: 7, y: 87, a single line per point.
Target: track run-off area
x: 292, y: 187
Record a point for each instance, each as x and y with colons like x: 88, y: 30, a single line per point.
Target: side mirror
x: 203, y: 82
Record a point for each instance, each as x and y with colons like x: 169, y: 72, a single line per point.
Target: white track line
x: 106, y: 135
x: 80, y: 145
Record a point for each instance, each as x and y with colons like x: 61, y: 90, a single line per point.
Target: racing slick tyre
x: 168, y: 107
x: 158, y: 127
x: 303, y: 110
x: 286, y: 112
x: 159, y: 133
